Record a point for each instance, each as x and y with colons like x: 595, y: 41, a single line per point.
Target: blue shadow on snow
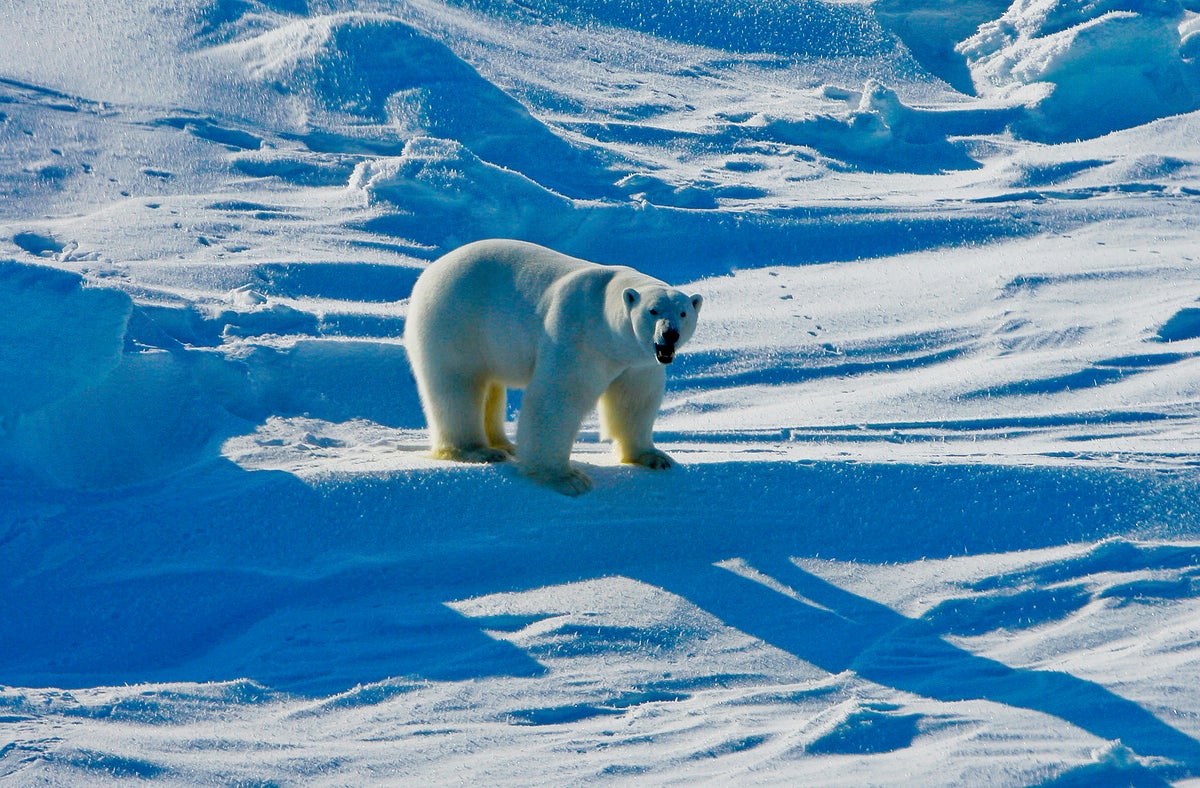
x: 224, y: 573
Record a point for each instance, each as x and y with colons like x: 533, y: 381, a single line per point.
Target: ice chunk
x: 1109, y: 64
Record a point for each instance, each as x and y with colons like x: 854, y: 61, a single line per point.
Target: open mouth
x: 664, y: 353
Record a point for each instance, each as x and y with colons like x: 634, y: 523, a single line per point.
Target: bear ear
x: 697, y: 300
x: 631, y: 297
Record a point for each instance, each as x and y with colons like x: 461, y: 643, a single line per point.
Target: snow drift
x: 367, y: 76
x: 1103, y: 65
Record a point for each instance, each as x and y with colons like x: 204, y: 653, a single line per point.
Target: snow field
x: 935, y: 518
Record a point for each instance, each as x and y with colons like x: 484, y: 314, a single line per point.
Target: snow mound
x: 376, y: 81
x: 1087, y: 69
x: 879, y: 132
x: 58, y: 337
x: 81, y: 408
x: 448, y: 195
x: 101, y: 390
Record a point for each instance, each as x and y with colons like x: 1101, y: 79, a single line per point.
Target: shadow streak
x: 880, y: 645
x: 223, y: 573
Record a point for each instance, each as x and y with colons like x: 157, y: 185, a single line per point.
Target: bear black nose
x: 670, y: 336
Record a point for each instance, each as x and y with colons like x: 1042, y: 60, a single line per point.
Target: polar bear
x: 500, y: 314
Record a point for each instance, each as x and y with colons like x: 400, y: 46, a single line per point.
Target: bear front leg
x: 628, y: 409
x: 552, y: 411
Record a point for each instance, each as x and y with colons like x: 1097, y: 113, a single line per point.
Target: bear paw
x: 505, y: 445
x: 568, y: 482
x: 653, y: 458
x: 473, y: 454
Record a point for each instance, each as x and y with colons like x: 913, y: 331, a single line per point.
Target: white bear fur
x: 500, y: 314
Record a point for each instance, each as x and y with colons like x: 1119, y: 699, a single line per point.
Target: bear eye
x: 654, y: 311
x: 683, y: 314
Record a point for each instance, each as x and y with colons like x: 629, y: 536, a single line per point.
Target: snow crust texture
x: 935, y: 517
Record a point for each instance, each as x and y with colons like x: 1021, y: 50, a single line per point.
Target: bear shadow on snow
x: 243, y: 581
x: 221, y: 573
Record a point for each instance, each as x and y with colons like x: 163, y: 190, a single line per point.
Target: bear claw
x: 475, y: 454
x: 654, y: 459
x: 570, y: 482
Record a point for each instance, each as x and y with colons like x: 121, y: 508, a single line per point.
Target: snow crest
x: 1089, y: 68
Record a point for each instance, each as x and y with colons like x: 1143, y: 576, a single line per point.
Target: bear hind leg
x: 456, y: 409
x: 494, y: 411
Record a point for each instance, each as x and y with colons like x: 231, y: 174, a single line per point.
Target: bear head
x: 662, y: 318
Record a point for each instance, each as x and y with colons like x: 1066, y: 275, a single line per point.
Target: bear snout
x: 665, y: 338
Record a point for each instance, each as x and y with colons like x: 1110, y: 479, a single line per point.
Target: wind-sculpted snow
x: 807, y: 28
x: 938, y: 443
x: 879, y: 132
x: 77, y: 407
x: 372, y: 76
x: 1104, y: 65
x: 441, y: 195
x: 930, y: 30
x: 48, y: 310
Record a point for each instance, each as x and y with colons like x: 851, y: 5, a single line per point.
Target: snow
x: 935, y: 518
x: 1108, y: 65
